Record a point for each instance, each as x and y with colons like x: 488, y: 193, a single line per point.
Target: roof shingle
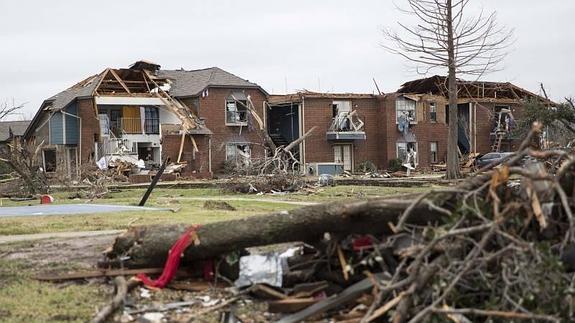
x: 192, y: 83
x: 16, y: 127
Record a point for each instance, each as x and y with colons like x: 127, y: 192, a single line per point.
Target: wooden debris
x: 290, y: 305
x: 267, y: 292
x: 349, y: 294
x: 122, y: 289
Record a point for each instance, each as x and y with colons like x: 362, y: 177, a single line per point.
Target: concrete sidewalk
x: 66, y: 209
x: 40, y: 236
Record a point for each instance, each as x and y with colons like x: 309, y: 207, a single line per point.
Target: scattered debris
x: 326, y: 180
x: 498, y: 245
x: 218, y: 205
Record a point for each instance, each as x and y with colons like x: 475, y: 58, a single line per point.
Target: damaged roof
x: 469, y: 89
x: 12, y: 128
x: 298, y: 96
x: 84, y: 88
x: 192, y: 83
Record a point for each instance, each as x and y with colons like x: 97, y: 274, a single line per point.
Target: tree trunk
x: 452, y: 149
x: 147, y: 246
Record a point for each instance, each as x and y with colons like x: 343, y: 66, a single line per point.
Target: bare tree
x: 7, y: 110
x: 21, y: 157
x: 446, y: 39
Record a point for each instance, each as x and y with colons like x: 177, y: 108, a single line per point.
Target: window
x: 49, y: 160
x: 239, y: 152
x: 432, y: 112
x: 503, y: 119
x: 405, y: 108
x: 152, y: 120
x: 407, y: 150
x: 433, y: 152
x: 236, y: 112
x: 343, y: 154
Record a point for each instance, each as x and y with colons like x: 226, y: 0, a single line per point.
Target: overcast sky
x: 47, y: 46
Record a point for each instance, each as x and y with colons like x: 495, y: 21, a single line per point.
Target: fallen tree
x: 146, y: 246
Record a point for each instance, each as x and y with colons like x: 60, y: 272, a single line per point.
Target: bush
x: 394, y: 165
x: 366, y: 166
x: 5, y: 168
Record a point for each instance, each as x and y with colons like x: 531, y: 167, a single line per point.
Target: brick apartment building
x: 200, y: 118
x: 355, y: 128
x: 146, y: 113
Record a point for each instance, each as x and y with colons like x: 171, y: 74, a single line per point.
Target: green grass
x: 23, y: 299
x: 188, y: 204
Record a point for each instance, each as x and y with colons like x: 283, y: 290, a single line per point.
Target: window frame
x: 237, y: 106
x: 236, y: 144
x: 404, y: 100
x: 55, y: 160
x: 407, y: 143
x: 433, y: 154
x: 433, y: 112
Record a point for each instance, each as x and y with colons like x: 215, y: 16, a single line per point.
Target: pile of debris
x: 499, y: 246
x: 274, y: 184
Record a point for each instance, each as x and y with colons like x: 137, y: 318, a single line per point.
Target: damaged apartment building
x: 352, y: 129
x: 200, y: 120
x: 142, y: 115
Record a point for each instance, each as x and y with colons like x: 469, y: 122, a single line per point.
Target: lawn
x: 187, y: 206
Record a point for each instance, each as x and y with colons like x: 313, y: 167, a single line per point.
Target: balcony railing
x: 346, y: 126
x: 134, y: 126
x: 151, y: 126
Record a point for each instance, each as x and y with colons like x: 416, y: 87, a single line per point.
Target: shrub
x: 366, y: 166
x: 394, y: 165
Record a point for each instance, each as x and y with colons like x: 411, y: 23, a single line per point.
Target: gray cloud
x: 318, y: 45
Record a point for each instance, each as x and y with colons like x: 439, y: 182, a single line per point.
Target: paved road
x: 66, y: 209
x: 39, y: 236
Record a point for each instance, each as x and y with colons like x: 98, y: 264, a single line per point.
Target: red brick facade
x: 382, y: 134
x: 198, y: 162
x: 212, y: 108
x: 90, y: 129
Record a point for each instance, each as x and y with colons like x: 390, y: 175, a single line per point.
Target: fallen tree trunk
x: 145, y: 246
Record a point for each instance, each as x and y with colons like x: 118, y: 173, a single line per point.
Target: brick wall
x: 196, y: 167
x: 212, y: 109
x: 425, y: 131
x: 318, y: 112
x: 90, y: 128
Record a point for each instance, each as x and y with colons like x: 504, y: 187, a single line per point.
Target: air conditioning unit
x: 316, y: 169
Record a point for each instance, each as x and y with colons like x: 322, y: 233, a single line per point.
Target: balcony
x: 134, y: 126
x: 346, y: 126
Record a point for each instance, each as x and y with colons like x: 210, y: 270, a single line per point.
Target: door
x: 344, y: 154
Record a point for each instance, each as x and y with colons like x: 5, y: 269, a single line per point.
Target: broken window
x: 49, y: 160
x: 433, y: 152
x: 341, y: 111
x: 407, y: 152
x: 433, y: 112
x: 240, y: 153
x: 236, y: 109
x: 504, y: 120
x: 405, y: 110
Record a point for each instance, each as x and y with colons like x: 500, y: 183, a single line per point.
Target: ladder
x: 499, y: 134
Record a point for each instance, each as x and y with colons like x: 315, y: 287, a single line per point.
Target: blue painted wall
x: 56, y: 129
x: 72, y: 126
